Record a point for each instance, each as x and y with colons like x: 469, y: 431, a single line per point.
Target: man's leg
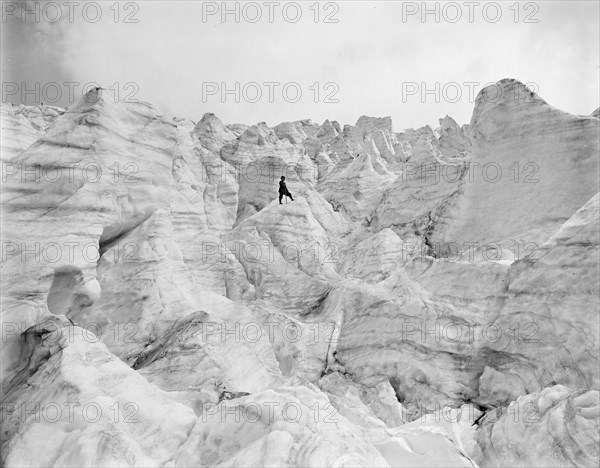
x: 290, y: 195
x: 280, y: 196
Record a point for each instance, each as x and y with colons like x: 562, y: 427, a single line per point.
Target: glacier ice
x: 431, y: 297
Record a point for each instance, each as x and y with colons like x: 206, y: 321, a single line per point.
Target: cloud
x: 368, y: 54
x: 32, y: 51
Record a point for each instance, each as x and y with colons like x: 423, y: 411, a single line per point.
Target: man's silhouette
x: 283, y: 190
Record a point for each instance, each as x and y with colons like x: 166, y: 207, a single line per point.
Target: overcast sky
x: 353, y: 58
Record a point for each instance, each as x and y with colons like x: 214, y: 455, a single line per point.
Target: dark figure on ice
x: 283, y: 190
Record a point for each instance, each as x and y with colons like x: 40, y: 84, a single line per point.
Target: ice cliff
x: 430, y: 298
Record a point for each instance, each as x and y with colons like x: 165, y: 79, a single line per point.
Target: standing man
x: 283, y: 190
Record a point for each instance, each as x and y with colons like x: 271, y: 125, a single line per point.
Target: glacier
x: 430, y: 298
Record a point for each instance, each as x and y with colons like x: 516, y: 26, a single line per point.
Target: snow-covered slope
x: 161, y: 308
x: 532, y: 167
